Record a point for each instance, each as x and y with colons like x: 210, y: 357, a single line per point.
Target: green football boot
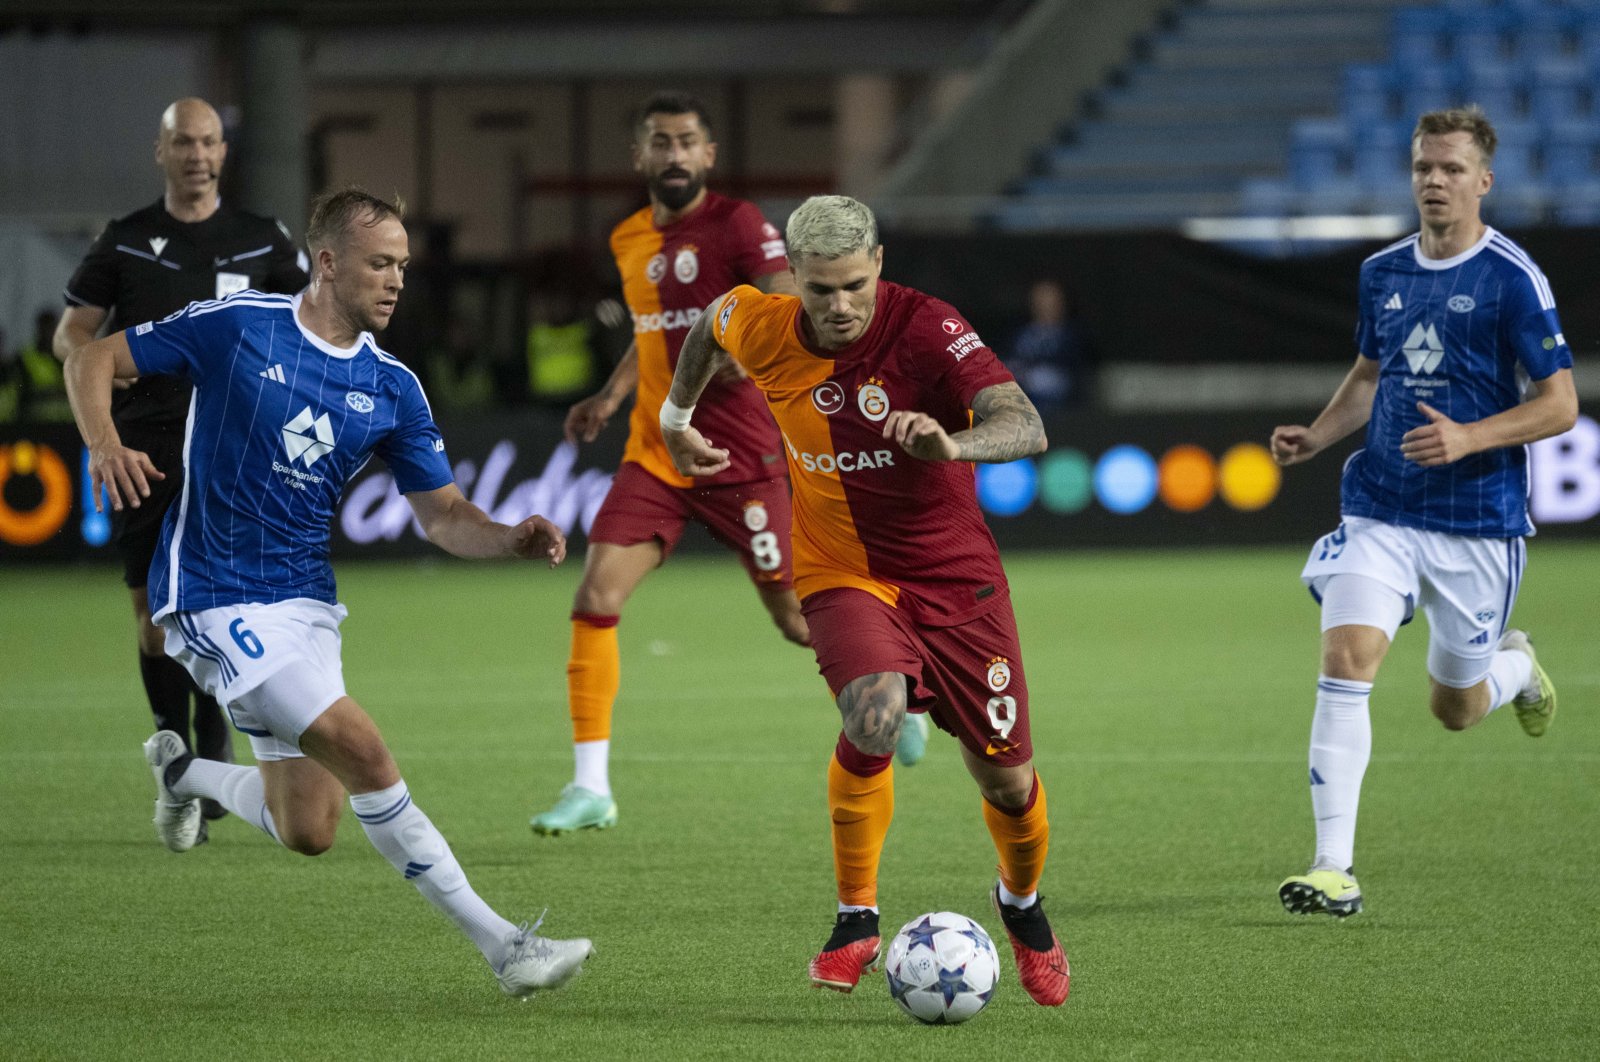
x: 1321, y: 891
x: 913, y: 742
x: 578, y: 809
x: 1534, y: 714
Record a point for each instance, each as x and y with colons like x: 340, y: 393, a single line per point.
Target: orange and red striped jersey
x: 669, y: 275
x: 866, y: 513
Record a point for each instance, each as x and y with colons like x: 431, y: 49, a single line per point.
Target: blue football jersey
x: 1462, y: 334
x: 279, y: 422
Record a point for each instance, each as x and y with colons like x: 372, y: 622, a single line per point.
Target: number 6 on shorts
x: 245, y: 639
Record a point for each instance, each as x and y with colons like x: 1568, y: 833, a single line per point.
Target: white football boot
x: 177, y: 821
x: 534, y: 962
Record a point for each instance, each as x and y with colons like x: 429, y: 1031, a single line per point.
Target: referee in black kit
x: 186, y: 247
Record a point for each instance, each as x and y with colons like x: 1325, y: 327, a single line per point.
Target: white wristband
x: 674, y: 418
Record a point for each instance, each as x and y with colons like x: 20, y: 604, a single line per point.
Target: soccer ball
x: 942, y: 968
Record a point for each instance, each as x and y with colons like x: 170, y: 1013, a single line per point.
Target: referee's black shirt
x: 149, y: 264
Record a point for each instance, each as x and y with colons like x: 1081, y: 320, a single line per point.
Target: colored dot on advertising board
x: 1188, y: 478
x: 1066, y: 484
x: 1125, y: 479
x: 1008, y: 489
x: 1250, y: 478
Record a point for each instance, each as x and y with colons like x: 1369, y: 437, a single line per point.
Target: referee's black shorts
x: 137, y: 532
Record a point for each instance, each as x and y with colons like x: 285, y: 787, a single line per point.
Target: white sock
x: 1341, y: 745
x: 1511, y: 676
x: 239, y: 789
x: 405, y: 837
x: 1011, y: 899
x: 851, y: 908
x: 590, y: 759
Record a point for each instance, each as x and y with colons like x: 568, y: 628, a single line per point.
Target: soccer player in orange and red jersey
x: 875, y: 386
x: 675, y: 255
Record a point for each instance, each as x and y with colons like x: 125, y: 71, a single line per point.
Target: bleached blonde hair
x: 831, y: 226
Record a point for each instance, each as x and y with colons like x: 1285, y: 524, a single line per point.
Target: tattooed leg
x: 873, y: 708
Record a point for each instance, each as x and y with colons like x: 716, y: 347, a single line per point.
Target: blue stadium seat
x: 1516, y: 159
x: 1497, y: 88
x: 1479, y: 43
x: 1368, y: 93
x: 1577, y: 204
x: 1588, y: 40
x: 1569, y: 153
x: 1318, y: 148
x: 1382, y: 156
x: 1420, y: 35
x: 1558, y: 90
x: 1529, y: 8
x: 1427, y: 89
x: 1547, y: 33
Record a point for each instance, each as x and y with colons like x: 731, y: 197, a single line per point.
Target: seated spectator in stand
x: 1049, y: 356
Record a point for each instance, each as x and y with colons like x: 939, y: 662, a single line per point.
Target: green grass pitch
x: 1171, y: 696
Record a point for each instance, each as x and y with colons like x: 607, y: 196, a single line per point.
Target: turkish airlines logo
x: 306, y: 439
x: 952, y: 326
x: 828, y: 397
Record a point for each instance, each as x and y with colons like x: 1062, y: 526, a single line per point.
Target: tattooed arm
x: 1009, y: 427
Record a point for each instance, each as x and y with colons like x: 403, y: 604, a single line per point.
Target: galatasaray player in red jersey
x: 675, y: 255
x: 875, y: 387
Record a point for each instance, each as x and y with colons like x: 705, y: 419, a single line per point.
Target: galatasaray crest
x: 686, y: 267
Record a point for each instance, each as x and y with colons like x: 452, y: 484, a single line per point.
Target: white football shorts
x: 1465, y: 586
x: 274, y: 668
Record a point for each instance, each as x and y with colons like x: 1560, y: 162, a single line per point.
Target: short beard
x: 677, y: 198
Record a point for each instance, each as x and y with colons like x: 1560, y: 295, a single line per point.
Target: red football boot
x: 851, y: 951
x: 1041, y: 961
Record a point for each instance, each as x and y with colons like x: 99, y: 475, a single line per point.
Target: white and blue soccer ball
x: 942, y: 968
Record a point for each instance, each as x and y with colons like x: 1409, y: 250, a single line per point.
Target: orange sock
x: 861, y: 806
x: 1022, y: 838
x: 594, y: 674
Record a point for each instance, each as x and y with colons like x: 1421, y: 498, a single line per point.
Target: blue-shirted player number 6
x: 246, y: 639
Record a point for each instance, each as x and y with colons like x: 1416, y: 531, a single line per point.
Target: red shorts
x: 968, y: 678
x: 752, y: 519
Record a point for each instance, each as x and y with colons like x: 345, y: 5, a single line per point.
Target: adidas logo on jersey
x: 1394, y: 302
x: 307, y: 439
x: 1481, y: 639
x: 274, y: 372
x: 1423, y: 350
